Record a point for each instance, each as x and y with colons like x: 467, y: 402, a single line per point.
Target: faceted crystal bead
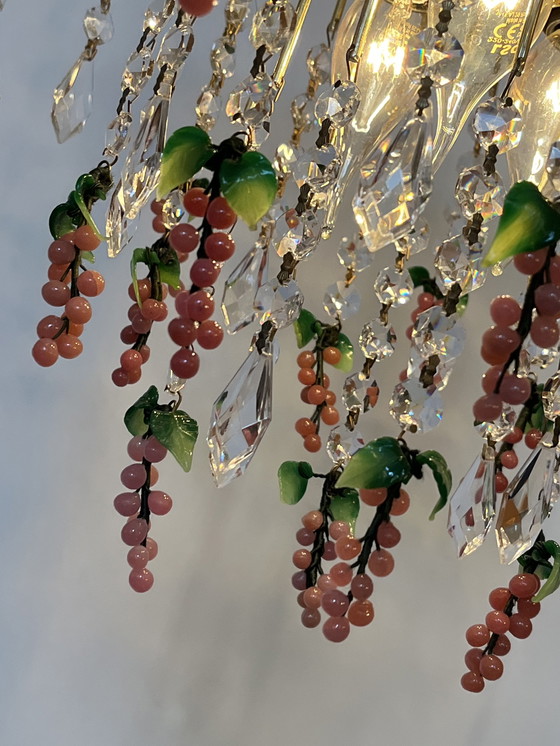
x: 301, y: 237
x: 174, y: 383
x: 157, y: 14
x: 472, y: 507
x: 429, y: 371
x: 285, y: 158
x: 434, y: 333
x: 343, y: 443
x: 208, y: 107
x: 173, y: 209
x: 176, y: 47
x: 241, y: 287
x: 317, y: 167
x: 280, y: 304
x: 98, y: 26
x: 222, y: 57
x: 458, y: 263
x: 118, y: 228
x: 237, y: 11
x: 477, y: 191
x: 240, y: 417
x: 551, y: 397
x: 501, y: 427
x: 356, y: 393
x: 553, y: 166
x: 439, y: 57
x: 415, y: 241
x: 272, y: 25
x: 303, y: 113
x: 533, y: 356
x: 138, y: 70
x: 414, y: 407
x: 393, y: 287
x: 120, y: 131
x: 73, y: 100
x: 354, y: 254
x: 525, y: 504
x: 377, y: 340
x: 319, y: 64
x: 497, y: 124
x: 338, y: 104
x: 251, y: 102
x: 395, y: 183
x: 341, y: 302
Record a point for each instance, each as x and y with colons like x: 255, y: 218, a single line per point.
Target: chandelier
x: 387, y: 94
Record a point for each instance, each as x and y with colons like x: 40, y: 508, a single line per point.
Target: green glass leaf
x: 185, y: 153
x: 380, y: 463
x: 346, y: 362
x: 88, y: 256
x: 442, y: 475
x: 86, y: 214
x: 292, y: 482
x: 304, y: 328
x: 60, y: 221
x: 528, y: 223
x: 138, y: 415
x: 462, y: 304
x: 138, y: 256
x: 177, y: 432
x: 553, y: 581
x: 170, y: 269
x: 249, y: 184
x: 345, y: 506
x: 419, y: 275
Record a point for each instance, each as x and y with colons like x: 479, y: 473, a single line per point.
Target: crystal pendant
x: 458, y: 263
x: 138, y: 70
x: 534, y: 356
x: 302, y: 236
x: 208, y: 107
x: 431, y: 371
x: 252, y: 101
x: 393, y: 286
x: 241, y: 416
x: 319, y: 64
x: 273, y: 25
x: 358, y: 393
x: 497, y: 124
x: 285, y: 158
x: 435, y: 56
x: 472, y: 507
x: 280, y: 304
x: 222, y: 58
x: 317, y: 167
x: 415, y: 241
x: 341, y: 301
x: 414, y: 407
x: 118, y: 228
x: 236, y: 11
x: 377, y: 341
x: 354, y: 254
x: 525, y: 504
x: 73, y: 100
x: 551, y: 397
x: 241, y: 287
x: 478, y: 192
x: 176, y: 46
x: 395, y: 183
x: 142, y: 167
x: 434, y: 333
x: 98, y: 26
x: 553, y: 166
x: 501, y: 427
x: 339, y: 104
x: 343, y: 443
x: 173, y: 209
x: 174, y: 383
x: 157, y: 14
x: 120, y: 129
x: 303, y: 113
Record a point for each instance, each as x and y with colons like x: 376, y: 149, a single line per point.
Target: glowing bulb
x: 537, y: 96
x: 489, y: 32
x: 386, y: 90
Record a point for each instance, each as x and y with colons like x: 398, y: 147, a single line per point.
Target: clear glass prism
x: 241, y: 287
x: 73, y: 100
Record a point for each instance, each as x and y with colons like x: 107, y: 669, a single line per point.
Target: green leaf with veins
x: 138, y: 256
x: 442, y: 475
x: 169, y: 269
x: 380, y: 463
x: 88, y: 256
x: 138, y: 415
x: 345, y: 506
x: 304, y: 328
x: 346, y: 362
x: 552, y: 583
x: 249, y: 184
x: 177, y: 432
x: 60, y: 222
x: 184, y: 154
x: 292, y: 482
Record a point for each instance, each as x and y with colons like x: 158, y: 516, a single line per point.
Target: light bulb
x: 537, y: 96
x: 386, y: 90
x: 489, y: 32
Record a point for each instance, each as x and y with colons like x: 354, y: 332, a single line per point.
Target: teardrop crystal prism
x: 118, y: 228
x: 241, y: 416
x: 526, y: 504
x: 472, y: 507
x: 73, y: 100
x: 242, y: 286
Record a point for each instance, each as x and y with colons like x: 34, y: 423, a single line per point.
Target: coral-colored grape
x: 61, y: 252
x: 478, y: 635
x: 374, y: 497
x: 312, y: 520
x: 196, y: 202
x: 505, y: 310
x: 69, y: 346
x: 336, y: 629
x: 312, y: 443
x: 361, y: 586
x: 160, y: 503
x: 544, y: 331
x: 55, y: 293
x: 381, y: 563
x: 134, y: 532
x: 306, y: 376
x: 204, y: 273
x: 305, y: 359
x: 491, y: 667
x: 141, y: 580
x: 488, y: 408
x: 347, y: 548
x: 472, y: 682
x: 45, y: 352
x: 78, y: 310
x: 524, y: 585
x: 520, y: 626
x: 219, y: 214
x: 219, y: 246
x: 301, y: 558
x: 497, y: 622
x: 198, y: 8
x: 138, y: 557
x: 185, y: 363
x: 498, y: 598
x: 85, y: 238
x: 200, y: 305
x: 182, y: 331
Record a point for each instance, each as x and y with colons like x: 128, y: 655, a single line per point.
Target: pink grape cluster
x: 138, y: 504
x: 490, y: 641
x: 59, y: 336
x: 195, y: 307
x: 502, y: 343
x: 320, y: 591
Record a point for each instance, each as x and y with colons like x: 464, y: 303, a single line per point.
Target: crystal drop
x: 395, y: 183
x: 434, y: 333
x: 341, y: 302
x: 317, y: 167
x: 285, y: 158
x: 73, y: 100
x: 534, y: 356
x: 118, y: 228
x: 435, y: 56
x: 415, y: 241
x: 241, y: 287
x: 251, y: 102
x: 343, y: 443
x: 173, y: 209
x: 280, y: 304
x: 240, y: 417
x: 472, y: 507
x: 259, y: 133
x: 553, y: 166
x: 237, y: 11
x: 356, y: 393
x: 157, y: 14
x: 143, y: 164
x: 414, y: 407
x: 478, y: 192
x: 222, y: 58
x: 377, y: 340
x: 393, y: 287
x: 208, y: 107
x: 319, y: 64
x: 501, y: 427
x: 301, y: 236
x: 98, y: 26
x: 174, y: 383
x: 354, y: 254
x: 176, y: 47
x: 138, y: 70
x: 338, y: 104
x: 525, y: 504
x: 458, y: 263
x: 303, y: 113
x: 120, y: 129
x: 431, y: 371
x: 551, y: 397
x: 497, y: 124
x: 273, y: 25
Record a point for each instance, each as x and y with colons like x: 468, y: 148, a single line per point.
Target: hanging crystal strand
x: 73, y: 96
x: 222, y: 59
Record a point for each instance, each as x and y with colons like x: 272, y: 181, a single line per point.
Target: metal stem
x: 356, y: 49
x: 533, y: 13
x: 287, y: 52
x: 335, y: 20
